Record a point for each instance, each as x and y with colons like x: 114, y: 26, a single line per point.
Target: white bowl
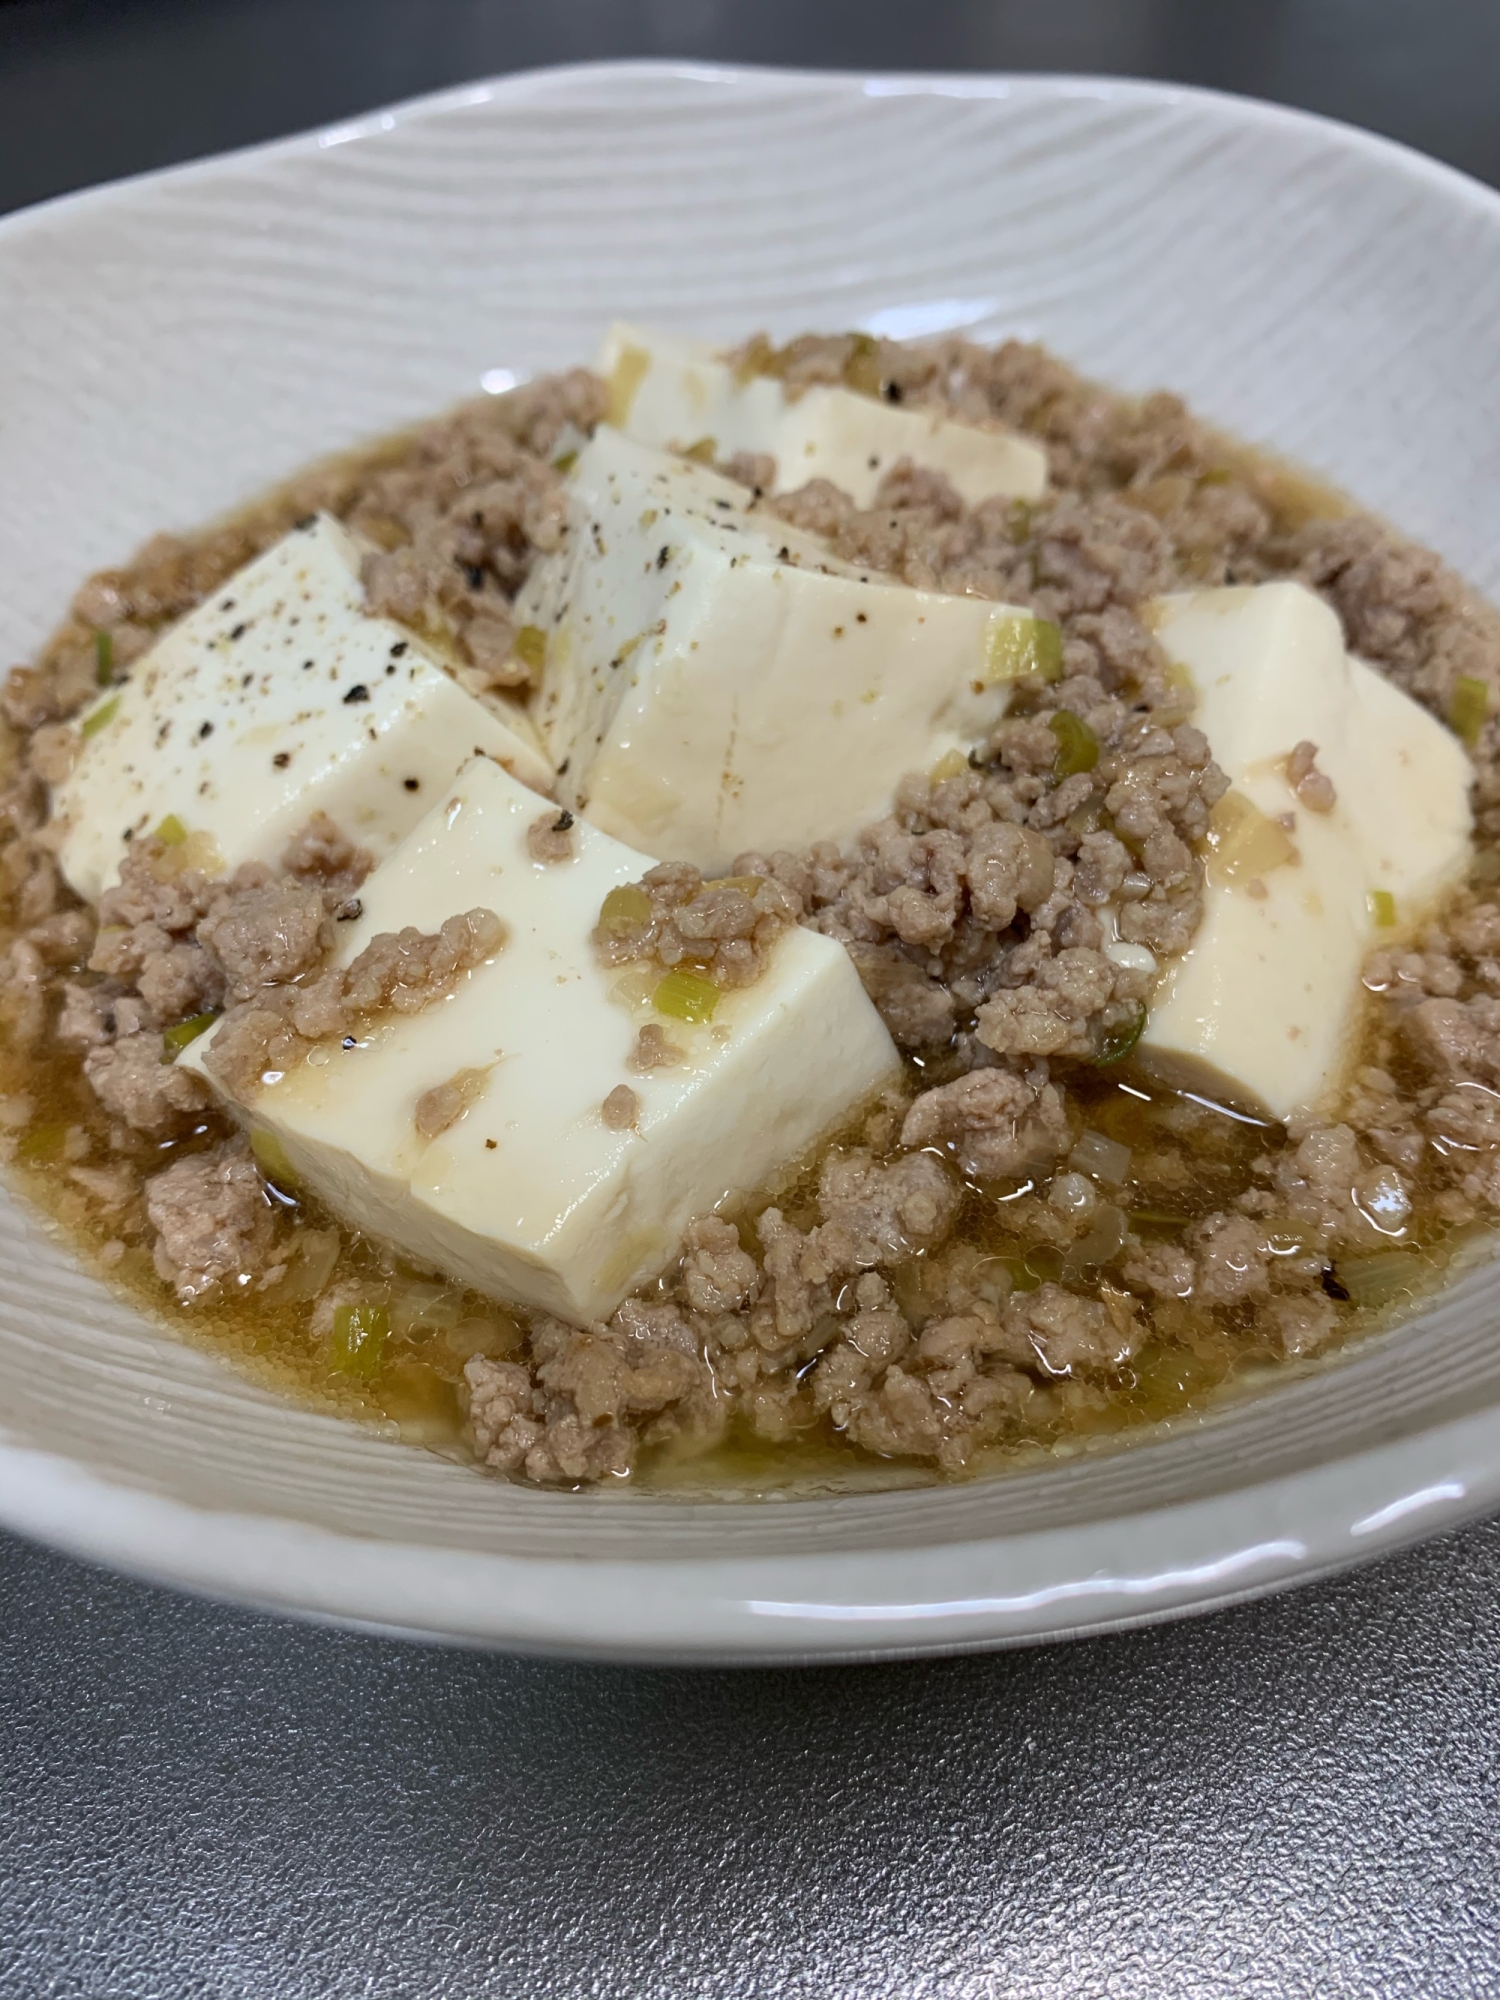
x: 176, y: 342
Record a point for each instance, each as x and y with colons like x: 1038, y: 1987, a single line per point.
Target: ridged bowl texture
x: 175, y: 343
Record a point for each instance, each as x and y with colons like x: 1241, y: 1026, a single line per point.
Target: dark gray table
x: 1300, y: 1798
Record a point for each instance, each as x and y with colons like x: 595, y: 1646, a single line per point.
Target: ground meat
x: 446, y: 1103
x: 550, y: 838
x: 400, y: 971
x: 463, y: 514
x: 999, y: 1121
x: 982, y: 914
x: 321, y: 853
x: 620, y: 1109
x: 654, y: 1050
x: 213, y: 1220
x: 134, y: 1081
x: 723, y: 930
x: 265, y: 932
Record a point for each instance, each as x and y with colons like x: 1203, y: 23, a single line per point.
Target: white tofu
x: 1263, y: 1007
x: 530, y: 1196
x: 674, y: 393
x: 277, y: 698
x: 715, y: 681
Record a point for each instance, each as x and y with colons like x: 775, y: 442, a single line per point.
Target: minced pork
x: 977, y: 1263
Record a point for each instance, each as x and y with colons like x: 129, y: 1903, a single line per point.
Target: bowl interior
x: 176, y: 343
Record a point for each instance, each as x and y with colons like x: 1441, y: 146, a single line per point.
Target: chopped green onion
x: 270, y: 1157
x: 1117, y: 1042
x: 104, y: 658
x: 686, y: 996
x: 175, y: 1039
x: 565, y: 461
x: 1468, y: 705
x: 359, y: 1337
x: 1382, y: 909
x: 1016, y: 647
x: 1377, y: 1279
x: 624, y: 910
x: 43, y: 1143
x: 1077, y: 745
x: 531, y: 647
x: 862, y: 369
x: 96, y: 719
x: 1158, y: 1218
x: 171, y: 832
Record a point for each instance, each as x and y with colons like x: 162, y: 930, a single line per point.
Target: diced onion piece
x: 314, y: 1254
x: 564, y: 462
x: 170, y: 832
x: 702, y: 451
x: 360, y: 1333
x: 1016, y: 647
x: 1382, y: 909
x: 421, y: 1308
x: 952, y: 764
x: 1077, y: 745
x: 1243, y: 843
x: 1377, y: 1279
x: 686, y: 996
x: 104, y: 658
x: 1106, y: 1159
x: 1106, y: 1234
x: 1468, y: 706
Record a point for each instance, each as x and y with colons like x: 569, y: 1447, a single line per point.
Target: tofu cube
x: 674, y: 393
x: 1263, y: 1008
x: 531, y: 1196
x: 277, y: 698
x: 715, y: 681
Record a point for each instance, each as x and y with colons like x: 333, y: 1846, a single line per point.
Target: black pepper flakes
x: 398, y: 649
x: 307, y: 666
x: 893, y: 392
x: 282, y: 759
x: 205, y: 729
x: 412, y: 784
x: 350, y: 1042
x: 562, y: 767
x: 348, y: 911
x: 564, y: 822
x: 663, y: 556
x: 359, y: 692
x: 239, y: 631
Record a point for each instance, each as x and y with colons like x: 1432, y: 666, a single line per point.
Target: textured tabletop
x: 1297, y: 1798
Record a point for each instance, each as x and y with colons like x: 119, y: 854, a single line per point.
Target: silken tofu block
x: 530, y: 1196
x: 1262, y: 1009
x: 715, y: 681
x: 277, y: 698
x: 674, y: 394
